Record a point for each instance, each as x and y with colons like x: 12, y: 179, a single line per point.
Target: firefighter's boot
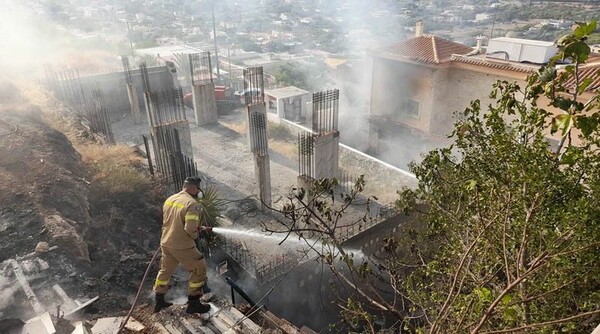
x: 160, y: 302
x: 195, y: 306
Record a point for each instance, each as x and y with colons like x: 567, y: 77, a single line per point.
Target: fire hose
x: 137, y: 295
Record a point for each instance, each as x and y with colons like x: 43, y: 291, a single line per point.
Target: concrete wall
x: 394, y: 83
x: 378, y: 173
x: 115, y: 90
x: 305, y: 295
x: 454, y: 89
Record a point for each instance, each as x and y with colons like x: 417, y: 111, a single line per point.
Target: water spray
x: 315, y: 244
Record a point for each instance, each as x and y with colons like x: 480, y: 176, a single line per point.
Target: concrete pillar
x: 262, y: 169
x: 306, y: 182
x: 205, y: 106
x: 185, y: 138
x: 258, y: 137
x: 134, y: 103
x: 185, y: 142
x: 327, y: 154
x: 280, y: 109
x: 261, y: 107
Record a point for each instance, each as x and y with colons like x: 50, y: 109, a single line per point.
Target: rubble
x: 42, y: 247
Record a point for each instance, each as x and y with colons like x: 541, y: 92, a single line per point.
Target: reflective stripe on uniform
x: 174, y: 204
x: 196, y: 285
x: 191, y: 216
x: 160, y: 282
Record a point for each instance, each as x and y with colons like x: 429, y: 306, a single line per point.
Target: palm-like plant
x: 212, y: 206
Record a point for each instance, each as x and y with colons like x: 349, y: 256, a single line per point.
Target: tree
x: 519, y: 221
x: 288, y: 74
x: 506, y: 231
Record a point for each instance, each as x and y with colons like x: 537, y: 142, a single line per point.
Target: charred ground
x: 103, y: 216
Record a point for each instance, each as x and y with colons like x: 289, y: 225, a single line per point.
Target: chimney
x: 480, y: 41
x: 419, y: 29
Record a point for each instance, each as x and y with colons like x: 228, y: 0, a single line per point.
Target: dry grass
x: 52, y: 111
x: 115, y: 169
x: 279, y: 132
x: 114, y: 155
x: 239, y: 127
x: 289, y: 150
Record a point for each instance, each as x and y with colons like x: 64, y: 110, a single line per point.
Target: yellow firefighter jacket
x: 181, y: 219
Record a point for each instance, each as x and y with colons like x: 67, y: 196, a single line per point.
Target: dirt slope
x: 48, y: 193
x: 41, y: 175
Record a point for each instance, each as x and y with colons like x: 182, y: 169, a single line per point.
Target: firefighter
x: 181, y: 224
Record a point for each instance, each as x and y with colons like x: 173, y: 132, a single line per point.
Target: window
x: 407, y: 108
x: 410, y: 108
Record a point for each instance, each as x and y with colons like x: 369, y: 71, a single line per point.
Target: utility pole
x: 215, y: 36
x: 130, y: 44
x: 229, y: 60
x: 493, y: 24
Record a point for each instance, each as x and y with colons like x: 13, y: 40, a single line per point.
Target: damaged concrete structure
x: 44, y: 297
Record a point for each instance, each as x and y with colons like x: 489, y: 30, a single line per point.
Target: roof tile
x: 510, y: 66
x: 592, y: 72
x: 425, y: 49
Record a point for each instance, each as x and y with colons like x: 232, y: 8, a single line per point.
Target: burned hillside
x: 102, y: 215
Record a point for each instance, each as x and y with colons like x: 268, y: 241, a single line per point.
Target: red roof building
x: 419, y: 84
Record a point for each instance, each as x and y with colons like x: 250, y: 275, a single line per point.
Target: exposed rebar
x: 254, y: 92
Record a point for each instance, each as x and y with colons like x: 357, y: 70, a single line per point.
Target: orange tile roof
x: 501, y: 65
x: 425, y: 49
x: 591, y: 72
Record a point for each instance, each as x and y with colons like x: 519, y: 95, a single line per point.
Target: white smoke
x: 7, y: 292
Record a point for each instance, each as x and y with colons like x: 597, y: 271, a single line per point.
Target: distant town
x: 296, y: 26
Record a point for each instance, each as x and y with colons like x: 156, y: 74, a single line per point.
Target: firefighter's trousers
x: 191, y: 260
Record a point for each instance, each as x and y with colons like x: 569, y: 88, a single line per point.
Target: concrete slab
x: 42, y: 324
x: 80, y: 328
x: 111, y: 325
x: 286, y: 92
x: 35, y: 303
x: 73, y: 313
x: 107, y: 325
